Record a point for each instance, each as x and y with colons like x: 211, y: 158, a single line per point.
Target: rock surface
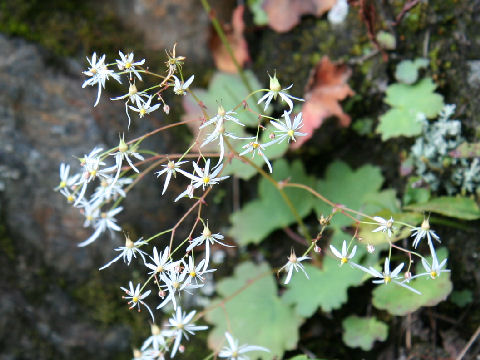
x: 54, y: 302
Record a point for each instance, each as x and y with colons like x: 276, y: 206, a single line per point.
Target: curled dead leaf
x: 327, y: 86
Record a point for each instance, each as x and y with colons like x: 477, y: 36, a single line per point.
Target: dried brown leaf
x: 234, y: 34
x: 284, y: 15
x: 327, y: 86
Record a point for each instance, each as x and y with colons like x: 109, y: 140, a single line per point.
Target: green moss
x: 66, y: 27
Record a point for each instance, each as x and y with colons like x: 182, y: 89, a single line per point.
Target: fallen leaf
x: 234, y: 34
x: 327, y: 86
x: 284, y: 15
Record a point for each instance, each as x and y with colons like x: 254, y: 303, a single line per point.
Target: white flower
x: 435, y: 269
x: 220, y: 133
x: 343, y: 256
x: 161, y: 262
x: 126, y: 63
x: 221, y: 117
x: 179, y: 87
x: 209, y: 239
x: 156, y: 340
x: 109, y: 190
x: 182, y: 327
x: 91, y: 211
x: 124, y: 151
x: 136, y: 298
x: 65, y: 179
x: 105, y: 221
x: 293, y: 263
x: 385, y: 225
x: 256, y: 147
x: 91, y: 169
x: 195, y: 273
x: 171, y: 169
x: 146, y: 355
x: 204, y: 178
x: 288, y: 130
x: 133, y: 96
x: 98, y: 73
x: 143, y: 107
x: 173, y: 283
x: 234, y: 352
x: 128, y: 252
x: 275, y: 90
x: 338, y: 12
x: 386, y: 277
x: 424, y: 231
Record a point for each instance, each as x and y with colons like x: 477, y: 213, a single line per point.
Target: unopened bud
x: 122, y: 146
x: 317, y: 249
x: 221, y: 111
x: 166, y: 109
x: 275, y: 84
x: 370, y: 248
x: 272, y: 136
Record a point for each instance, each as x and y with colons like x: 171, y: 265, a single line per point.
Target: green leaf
x: 253, y: 313
x: 363, y: 332
x: 461, y: 298
x: 352, y: 188
x: 327, y: 287
x: 249, y: 224
x: 407, y: 71
x: 244, y: 170
x: 400, y: 301
x: 466, y: 150
x: 260, y: 17
x: 456, y: 207
x: 408, y: 101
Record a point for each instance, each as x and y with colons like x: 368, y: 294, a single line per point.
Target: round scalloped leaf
x: 363, y: 332
x: 400, y: 301
x: 248, y: 223
x: 250, y: 309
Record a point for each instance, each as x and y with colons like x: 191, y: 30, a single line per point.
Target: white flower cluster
x: 100, y: 185
x: 432, y: 160
x: 432, y: 270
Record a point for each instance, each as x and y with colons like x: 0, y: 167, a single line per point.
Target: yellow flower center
x: 89, y: 217
x: 290, y: 133
x: 255, y: 145
x: 387, y: 279
x: 103, y: 215
x: 93, y: 173
x: 176, y: 284
x: 343, y: 260
x: 142, y: 112
x: 128, y: 65
x: 62, y: 184
x: 93, y: 70
x: 193, y: 274
x: 171, y: 165
x: 206, y: 180
x: 70, y: 198
x: 433, y: 274
x: 160, y: 269
x: 135, y: 299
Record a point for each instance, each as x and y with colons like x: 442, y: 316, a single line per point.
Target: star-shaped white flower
x: 288, y: 129
x: 98, y: 73
x: 235, y: 352
x: 161, y: 263
x: 181, y: 323
x: 209, y: 239
x: 343, y: 256
x: 386, y: 226
x: 424, y: 231
x: 128, y: 252
x: 275, y: 90
x: 171, y: 169
x: 106, y: 221
x: 293, y: 264
x: 387, y: 277
x: 181, y: 88
x: 127, y: 64
x: 204, y: 178
x: 135, y: 298
x: 144, y: 107
x: 256, y: 148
